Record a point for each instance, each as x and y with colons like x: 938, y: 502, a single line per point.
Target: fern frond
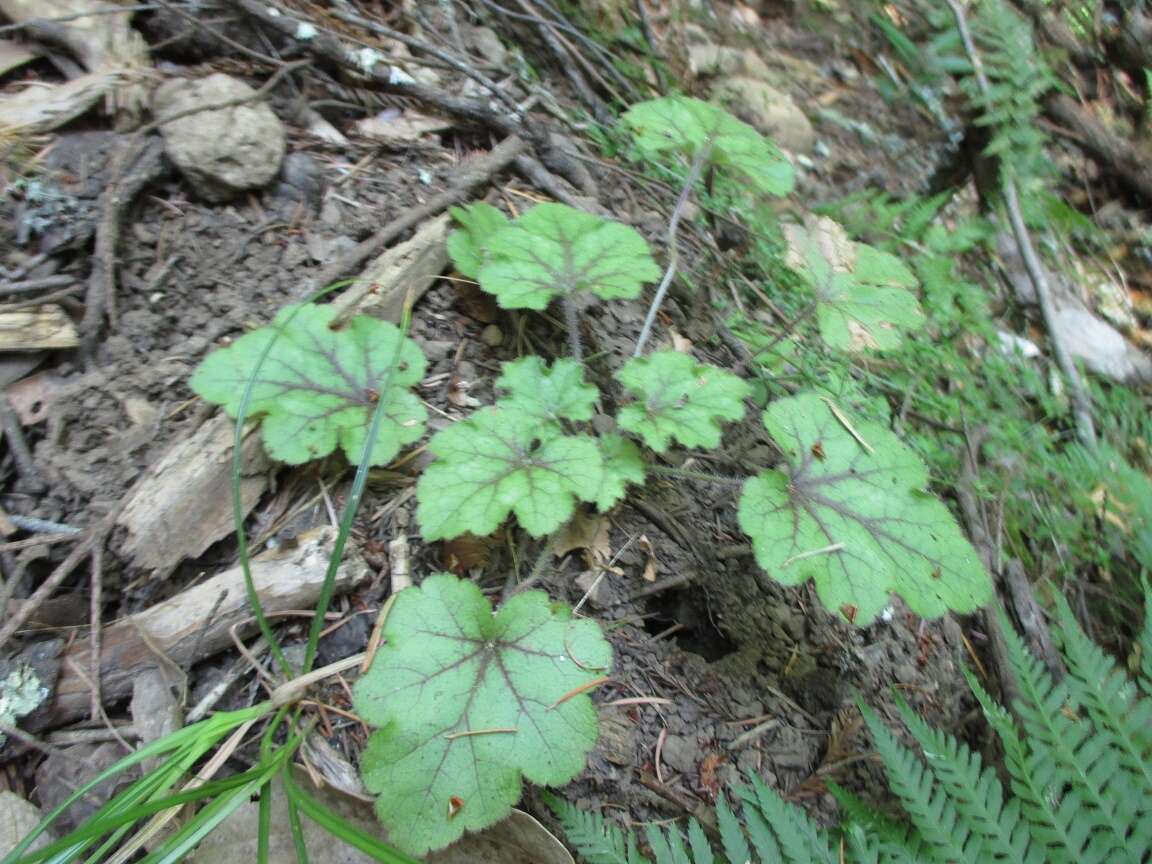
x: 946, y: 836
x: 595, y: 839
x: 975, y: 792
x: 1120, y: 716
x: 667, y: 846
x: 701, y: 849
x: 800, y: 840
x: 731, y: 835
x: 1073, y: 761
x: 1052, y: 829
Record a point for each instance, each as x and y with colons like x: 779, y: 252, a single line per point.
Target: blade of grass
x: 296, y: 828
x: 357, y: 490
x: 242, y: 550
x: 264, y: 824
x: 189, y: 745
x: 341, y: 829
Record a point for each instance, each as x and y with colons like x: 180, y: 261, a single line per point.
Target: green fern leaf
x: 975, y: 792
x: 1052, y: 829
x: 701, y: 848
x: 731, y: 835
x: 1121, y: 717
x: 799, y: 838
x: 1144, y: 644
x: 1074, y: 760
x: 595, y: 840
x: 667, y: 846
x: 930, y: 809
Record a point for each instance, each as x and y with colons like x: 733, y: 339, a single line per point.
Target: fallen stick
x: 193, y: 625
x: 468, y: 177
x: 324, y: 45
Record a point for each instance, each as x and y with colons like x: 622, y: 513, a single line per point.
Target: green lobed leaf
x: 859, y: 524
x: 558, y: 251
x: 316, y: 388
x: 679, y: 399
x: 549, y: 393
x: 623, y: 464
x: 467, y: 702
x: 680, y: 124
x: 500, y: 461
x: 864, y: 297
x: 468, y: 244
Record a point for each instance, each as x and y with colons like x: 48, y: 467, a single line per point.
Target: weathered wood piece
x: 184, y: 505
x: 38, y: 329
x: 194, y: 624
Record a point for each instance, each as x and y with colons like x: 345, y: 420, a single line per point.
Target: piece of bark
x: 409, y: 266
x: 1128, y: 161
x: 194, y: 624
x: 184, y: 505
x: 42, y: 328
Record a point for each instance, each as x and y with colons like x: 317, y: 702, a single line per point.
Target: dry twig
x: 1081, y: 405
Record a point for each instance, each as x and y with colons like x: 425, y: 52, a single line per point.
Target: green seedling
x: 467, y: 245
x: 678, y: 399
x: 555, y: 251
x: 467, y: 702
x: 316, y: 386
x: 501, y: 461
x: 848, y: 509
x: 864, y: 297
x: 680, y: 125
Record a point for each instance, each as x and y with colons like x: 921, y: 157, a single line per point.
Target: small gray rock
x: 492, y: 336
x: 1102, y: 348
x: 680, y: 753
x: 485, y: 42
x: 220, y: 152
x: 771, y: 111
x: 300, y: 179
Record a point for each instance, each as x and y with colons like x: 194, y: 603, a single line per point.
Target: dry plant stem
x: 146, y: 158
x: 475, y: 111
x: 569, y: 61
x: 91, y: 13
x: 650, y: 39
x: 1081, y: 405
x: 291, y: 691
x: 572, y: 324
x: 469, y: 176
x: 18, y: 447
x: 608, y: 60
x: 420, y: 45
x: 216, y: 34
x: 37, y: 284
x: 673, y: 253
x: 95, y: 626
x: 40, y: 301
x: 1130, y: 162
x: 537, y: 174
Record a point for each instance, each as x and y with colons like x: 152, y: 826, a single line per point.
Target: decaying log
x: 1131, y: 163
x: 184, y: 504
x: 194, y: 624
x: 410, y: 266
